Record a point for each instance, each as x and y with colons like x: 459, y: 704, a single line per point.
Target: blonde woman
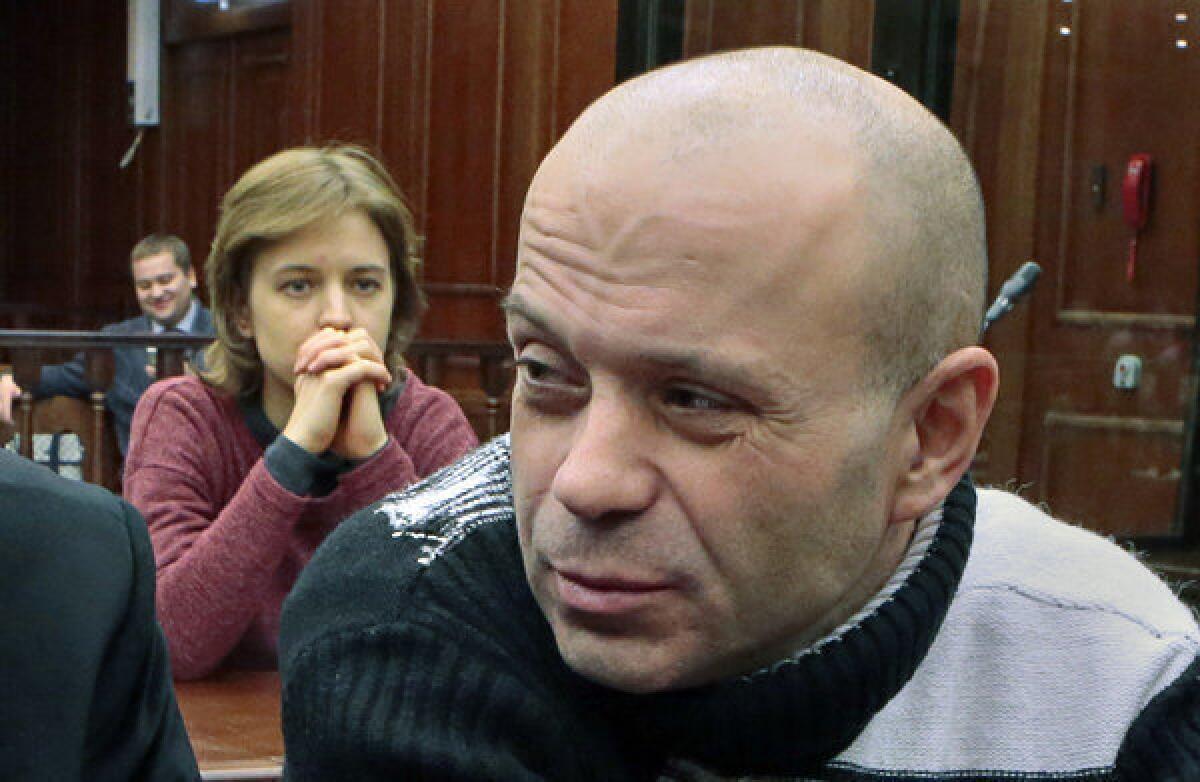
x: 305, y: 411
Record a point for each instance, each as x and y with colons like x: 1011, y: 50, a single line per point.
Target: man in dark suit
x: 85, y: 685
x: 165, y: 282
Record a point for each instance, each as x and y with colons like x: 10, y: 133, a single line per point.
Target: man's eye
x: 535, y: 371
x: 692, y: 400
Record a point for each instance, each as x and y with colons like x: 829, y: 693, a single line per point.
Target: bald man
x: 732, y: 534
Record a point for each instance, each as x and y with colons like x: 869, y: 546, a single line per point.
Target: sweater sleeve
x: 427, y: 432
x: 215, y: 562
x: 392, y: 671
x: 441, y: 433
x: 415, y: 705
x: 1164, y: 741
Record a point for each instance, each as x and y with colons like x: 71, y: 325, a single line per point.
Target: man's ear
x: 192, y: 277
x: 945, y: 415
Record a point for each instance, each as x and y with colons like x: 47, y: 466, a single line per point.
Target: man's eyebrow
x: 701, y: 364
x: 697, y: 361
x: 515, y: 304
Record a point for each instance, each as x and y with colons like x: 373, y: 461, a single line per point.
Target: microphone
x: 1011, y: 291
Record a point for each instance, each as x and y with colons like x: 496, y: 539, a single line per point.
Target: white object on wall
x: 142, y: 62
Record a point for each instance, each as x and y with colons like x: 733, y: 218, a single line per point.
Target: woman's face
x: 333, y: 273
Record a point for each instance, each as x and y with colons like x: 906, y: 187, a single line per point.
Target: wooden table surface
x: 233, y: 721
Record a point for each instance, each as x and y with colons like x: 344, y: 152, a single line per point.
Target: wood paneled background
x: 462, y: 99
x: 1051, y: 100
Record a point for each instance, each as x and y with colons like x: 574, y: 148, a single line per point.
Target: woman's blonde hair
x: 279, y: 196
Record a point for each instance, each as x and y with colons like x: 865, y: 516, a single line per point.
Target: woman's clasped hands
x: 338, y: 377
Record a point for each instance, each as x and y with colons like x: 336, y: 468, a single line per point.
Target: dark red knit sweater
x: 229, y: 541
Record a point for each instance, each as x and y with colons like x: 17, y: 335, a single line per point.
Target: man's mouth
x: 607, y: 594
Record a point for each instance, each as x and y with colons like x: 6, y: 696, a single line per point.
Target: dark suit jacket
x: 85, y: 687
x: 129, y: 374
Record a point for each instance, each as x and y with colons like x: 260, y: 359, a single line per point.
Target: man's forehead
x: 724, y: 202
x: 155, y: 265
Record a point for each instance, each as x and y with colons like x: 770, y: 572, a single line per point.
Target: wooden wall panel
x: 9, y: 122
x: 466, y: 66
x: 107, y: 225
x: 1046, y: 93
x: 1112, y: 79
x: 499, y: 95
x: 1135, y: 107
x: 226, y: 105
x: 996, y: 114
x: 63, y: 216
x: 196, y: 116
x: 529, y: 121
x: 585, y: 57
x: 1141, y: 459
x: 349, y: 88
x: 842, y: 28
x: 460, y: 100
x: 261, y: 114
x: 405, y: 101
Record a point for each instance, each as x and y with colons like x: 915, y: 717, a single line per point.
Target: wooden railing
x: 432, y: 359
x: 27, y: 351
x: 485, y: 366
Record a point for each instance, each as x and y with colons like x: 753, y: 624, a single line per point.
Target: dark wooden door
x: 1052, y: 101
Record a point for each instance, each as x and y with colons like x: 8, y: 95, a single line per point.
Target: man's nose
x: 335, y: 310
x: 608, y: 472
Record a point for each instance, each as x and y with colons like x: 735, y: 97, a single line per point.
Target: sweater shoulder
x: 180, y: 415
x: 1055, y: 642
x: 424, y: 411
x: 434, y: 515
x: 366, y: 572
x: 192, y: 398
x: 188, y: 390
x: 417, y: 396
x: 1021, y: 550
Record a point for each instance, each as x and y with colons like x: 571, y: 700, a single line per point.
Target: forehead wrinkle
x: 553, y: 247
x: 578, y: 270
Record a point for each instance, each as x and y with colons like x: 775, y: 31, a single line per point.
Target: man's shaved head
x: 746, y: 291
x: 922, y: 289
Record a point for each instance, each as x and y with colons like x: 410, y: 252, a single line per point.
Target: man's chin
x: 635, y: 666
x: 165, y: 319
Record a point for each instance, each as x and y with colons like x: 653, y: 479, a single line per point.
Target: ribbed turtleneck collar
x: 795, y: 715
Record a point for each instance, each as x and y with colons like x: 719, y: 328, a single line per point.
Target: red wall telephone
x: 1135, y: 202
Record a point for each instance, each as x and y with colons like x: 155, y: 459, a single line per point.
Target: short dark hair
x: 163, y: 243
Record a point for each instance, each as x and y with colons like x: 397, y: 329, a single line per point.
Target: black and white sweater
x: 412, y: 649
